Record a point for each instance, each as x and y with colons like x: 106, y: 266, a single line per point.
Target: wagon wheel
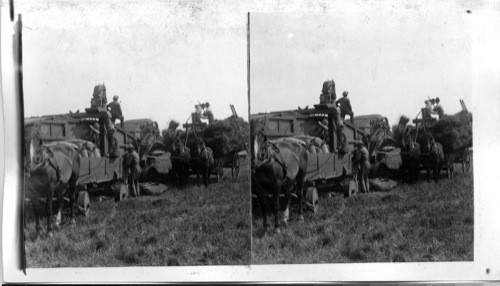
x: 219, y: 169
x: 235, y: 168
x: 449, y: 166
x: 312, y: 201
x: 466, y: 160
x: 349, y: 187
x: 120, y: 190
x: 83, y: 202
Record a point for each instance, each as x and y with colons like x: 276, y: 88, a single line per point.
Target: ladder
x: 235, y: 117
x: 464, y: 108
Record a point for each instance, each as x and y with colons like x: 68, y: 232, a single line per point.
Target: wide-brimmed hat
x: 358, y: 143
x: 129, y: 147
x: 345, y: 93
x: 115, y: 97
x: 95, y: 128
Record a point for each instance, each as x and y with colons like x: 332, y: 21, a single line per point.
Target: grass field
x: 193, y: 226
x: 419, y: 222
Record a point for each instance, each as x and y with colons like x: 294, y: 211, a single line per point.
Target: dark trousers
x: 114, y: 117
x: 344, y: 113
x: 133, y: 184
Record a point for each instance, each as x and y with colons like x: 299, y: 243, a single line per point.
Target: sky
x: 163, y: 57
x: 160, y: 57
x: 390, y: 60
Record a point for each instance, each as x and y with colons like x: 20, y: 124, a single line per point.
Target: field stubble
x: 418, y: 222
x: 191, y: 226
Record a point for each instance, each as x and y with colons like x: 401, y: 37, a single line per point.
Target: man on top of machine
x: 345, y: 106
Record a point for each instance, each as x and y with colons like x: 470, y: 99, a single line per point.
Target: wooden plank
x: 98, y: 169
x: 320, y: 166
x: 114, y: 165
x: 84, y: 176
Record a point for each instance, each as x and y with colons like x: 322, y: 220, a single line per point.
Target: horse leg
x: 276, y: 199
x: 60, y: 199
x: 428, y: 171
x: 206, y: 174
x: 437, y: 171
x: 300, y: 194
x: 263, y: 205
x: 288, y: 193
x: 36, y: 212
x: 198, y: 176
x: 48, y: 207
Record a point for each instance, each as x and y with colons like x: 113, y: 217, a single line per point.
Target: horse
x: 410, y: 157
x: 50, y: 170
x: 276, y: 168
x: 205, y: 162
x: 434, y: 159
x: 180, y: 161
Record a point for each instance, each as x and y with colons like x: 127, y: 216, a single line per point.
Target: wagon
x: 458, y: 149
x: 230, y: 160
x: 326, y: 172
x: 98, y: 175
x: 217, y: 137
x: 462, y: 156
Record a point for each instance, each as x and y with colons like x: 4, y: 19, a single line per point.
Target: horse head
x: 33, y: 148
x: 257, y: 138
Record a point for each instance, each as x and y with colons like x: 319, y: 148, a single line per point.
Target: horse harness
x: 271, y: 154
x: 53, y: 164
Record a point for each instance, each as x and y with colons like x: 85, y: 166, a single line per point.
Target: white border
x: 485, y: 106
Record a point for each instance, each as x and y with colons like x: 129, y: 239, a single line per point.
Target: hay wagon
x: 454, y: 132
x: 99, y: 175
x: 329, y: 171
x: 227, y: 141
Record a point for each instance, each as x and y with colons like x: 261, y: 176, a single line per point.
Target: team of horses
x: 428, y: 155
x: 198, y: 158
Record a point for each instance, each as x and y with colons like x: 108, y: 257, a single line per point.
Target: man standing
x: 345, y: 106
x: 361, y: 164
x: 92, y: 135
x: 207, y: 114
x: 132, y: 170
x: 439, y: 109
x: 116, y: 110
x: 114, y: 149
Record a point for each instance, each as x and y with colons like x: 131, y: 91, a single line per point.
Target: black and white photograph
x: 136, y: 126
x: 362, y: 147
x: 251, y: 141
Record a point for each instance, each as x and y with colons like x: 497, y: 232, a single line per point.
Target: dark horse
x: 410, y: 157
x: 205, y: 162
x: 50, y: 170
x: 276, y: 167
x: 181, y: 156
x: 434, y: 158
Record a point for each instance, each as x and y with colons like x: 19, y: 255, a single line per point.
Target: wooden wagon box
x: 99, y: 169
x: 327, y: 165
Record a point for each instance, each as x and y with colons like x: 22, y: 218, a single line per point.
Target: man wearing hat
x: 345, y: 106
x: 132, y: 170
x: 116, y: 110
x: 439, y: 109
x: 92, y: 135
x: 207, y: 114
x: 361, y: 166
